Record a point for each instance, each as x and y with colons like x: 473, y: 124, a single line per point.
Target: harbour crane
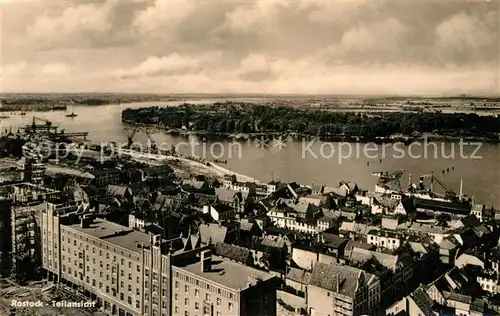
x: 153, y: 146
x: 48, y: 124
x: 131, y: 137
x: 448, y: 192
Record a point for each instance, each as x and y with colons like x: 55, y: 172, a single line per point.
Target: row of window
x: 196, y: 282
x: 99, y: 244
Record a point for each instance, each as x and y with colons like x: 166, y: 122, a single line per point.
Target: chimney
x: 85, y: 221
x: 206, y: 261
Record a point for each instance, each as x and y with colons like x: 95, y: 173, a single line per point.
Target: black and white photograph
x: 249, y: 157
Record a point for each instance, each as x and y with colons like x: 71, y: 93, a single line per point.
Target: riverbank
x: 31, y: 107
x: 194, y: 166
x: 429, y: 137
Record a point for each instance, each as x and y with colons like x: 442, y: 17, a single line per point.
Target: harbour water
x: 307, y: 161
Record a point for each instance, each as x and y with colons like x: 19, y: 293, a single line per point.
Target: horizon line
x: 232, y: 94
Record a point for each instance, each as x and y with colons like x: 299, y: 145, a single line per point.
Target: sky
x: 254, y: 46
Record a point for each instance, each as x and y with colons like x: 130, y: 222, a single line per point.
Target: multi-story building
x: 215, y: 286
x: 287, y: 217
x: 342, y: 290
x: 130, y: 273
x: 385, y: 239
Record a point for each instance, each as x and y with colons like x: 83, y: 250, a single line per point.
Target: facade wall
x: 121, y: 279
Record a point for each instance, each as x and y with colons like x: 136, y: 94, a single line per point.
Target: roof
x: 317, y: 188
x: 194, y: 184
x: 423, y: 301
x: 212, y: 233
x: 113, y: 233
x: 232, y: 252
x: 357, y: 228
x: 156, y: 170
x: 338, y: 278
x: 392, y: 262
x: 117, y: 190
x: 103, y: 172
x: 246, y: 226
x: 227, y: 195
x: 298, y: 275
x: 332, y: 240
x: 235, y: 276
x: 273, y: 241
x: 335, y: 191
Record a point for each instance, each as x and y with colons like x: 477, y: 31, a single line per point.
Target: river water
x: 303, y: 161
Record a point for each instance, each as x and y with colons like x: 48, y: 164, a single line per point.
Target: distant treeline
x: 230, y: 118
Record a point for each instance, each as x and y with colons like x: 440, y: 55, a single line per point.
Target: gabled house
x: 349, y: 187
x: 195, y: 186
x: 220, y: 212
x: 417, y: 303
x: 334, y: 287
x: 121, y: 192
x: 88, y: 193
x: 237, y: 199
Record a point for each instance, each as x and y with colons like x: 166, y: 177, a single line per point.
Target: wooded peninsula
x: 225, y: 119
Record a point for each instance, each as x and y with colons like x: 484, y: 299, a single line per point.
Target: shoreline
x: 300, y: 136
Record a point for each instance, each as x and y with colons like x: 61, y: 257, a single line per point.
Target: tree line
x: 251, y: 118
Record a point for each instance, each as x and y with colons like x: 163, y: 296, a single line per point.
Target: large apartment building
x: 133, y: 273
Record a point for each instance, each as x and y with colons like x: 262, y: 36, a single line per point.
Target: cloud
x: 75, y: 19
x: 55, y: 69
x: 464, y: 37
x: 256, y: 45
x: 259, y: 16
x: 170, y: 65
x: 164, y: 16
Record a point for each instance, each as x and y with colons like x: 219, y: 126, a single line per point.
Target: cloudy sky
x: 251, y: 46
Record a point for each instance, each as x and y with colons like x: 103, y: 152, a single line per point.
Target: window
x: 186, y: 301
x: 186, y: 289
x: 121, y: 296
x: 129, y: 300
x: 176, y: 297
x: 186, y: 313
x: 230, y: 307
x: 207, y: 297
x: 196, y: 293
x: 176, y: 309
x: 137, y: 304
x: 130, y: 288
x: 176, y: 284
x: 196, y: 306
x: 218, y: 301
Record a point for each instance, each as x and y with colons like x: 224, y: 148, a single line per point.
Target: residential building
x: 342, y: 290
x: 216, y: 286
x: 385, y: 239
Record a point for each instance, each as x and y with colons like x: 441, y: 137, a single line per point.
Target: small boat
x: 72, y: 114
x: 22, y: 113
